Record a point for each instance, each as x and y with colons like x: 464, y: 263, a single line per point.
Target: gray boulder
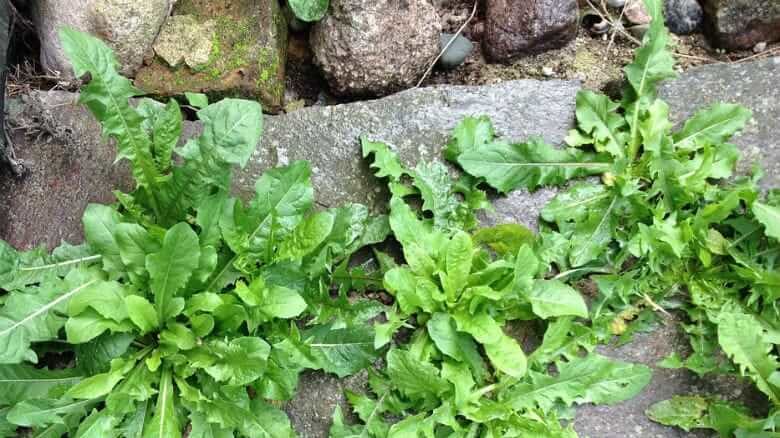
x: 128, y: 26
x: 741, y: 24
x: 375, y: 47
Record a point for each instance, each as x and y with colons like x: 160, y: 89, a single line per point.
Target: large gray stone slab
x: 71, y: 166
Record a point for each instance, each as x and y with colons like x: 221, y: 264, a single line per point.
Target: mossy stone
x: 247, y: 56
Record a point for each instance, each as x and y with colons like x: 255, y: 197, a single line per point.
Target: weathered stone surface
x: 246, y: 57
x: 375, y: 47
x: 683, y: 16
x: 457, y: 52
x: 69, y: 167
x: 753, y: 85
x: 519, y: 27
x: 628, y: 419
x: 74, y: 167
x: 741, y: 24
x: 185, y: 39
x: 127, y: 26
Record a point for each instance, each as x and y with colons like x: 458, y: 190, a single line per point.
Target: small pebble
x: 600, y: 27
x: 760, y: 47
x: 457, y: 52
x: 548, y: 71
x: 617, y: 4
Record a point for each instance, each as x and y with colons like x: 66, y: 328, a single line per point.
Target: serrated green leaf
x: 41, y: 412
x: 441, y: 329
x: 100, y: 230
x: 142, y: 313
x: 550, y: 298
x: 593, y: 379
x: 714, y: 125
x: 134, y: 244
x: 239, y: 361
x: 507, y: 356
x: 98, y: 424
x: 23, y: 382
x: 234, y: 127
x: 307, y: 236
x: 769, y: 216
x: 469, y: 133
x: 105, y: 297
x: 171, y: 267
x: 413, y: 377
x: 529, y: 165
x: 458, y: 257
x: 341, y: 351
x: 282, y: 302
x: 107, y: 96
x: 685, y: 412
x: 26, y: 318
x: 743, y: 339
x: 597, y: 116
x: 164, y: 422
x: 505, y: 238
x: 386, y: 162
x: 89, y: 324
x: 653, y: 62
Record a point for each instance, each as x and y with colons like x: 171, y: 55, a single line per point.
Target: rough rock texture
x: 245, y: 52
x: 128, y: 26
x: 74, y: 167
x: 375, y: 47
x: 628, y: 419
x: 754, y: 85
x: 184, y: 38
x: 519, y: 27
x: 741, y: 24
x: 683, y: 16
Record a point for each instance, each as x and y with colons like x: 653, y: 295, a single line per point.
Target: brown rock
x: 741, y: 24
x: 375, y: 47
x: 520, y: 27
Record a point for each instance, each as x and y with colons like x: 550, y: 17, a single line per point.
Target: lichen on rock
x: 247, y: 52
x: 185, y: 39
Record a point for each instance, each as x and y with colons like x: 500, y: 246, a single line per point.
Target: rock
x: 628, y: 419
x: 515, y: 28
x: 375, y: 47
x: 617, y: 4
x: 74, y: 168
x: 752, y: 84
x: 741, y: 24
x: 457, y: 52
x: 229, y: 48
x: 548, y: 71
x: 683, y: 16
x: 127, y: 26
x: 184, y: 38
x: 636, y: 13
x: 760, y: 47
